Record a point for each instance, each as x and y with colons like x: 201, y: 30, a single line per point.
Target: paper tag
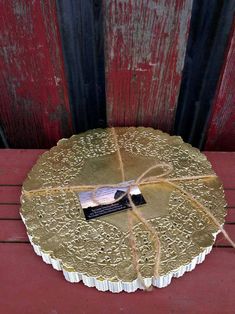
x: 93, y: 210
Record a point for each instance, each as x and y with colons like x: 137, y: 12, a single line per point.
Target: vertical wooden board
x: 81, y: 26
x: 33, y: 95
x: 145, y: 43
x: 221, y: 130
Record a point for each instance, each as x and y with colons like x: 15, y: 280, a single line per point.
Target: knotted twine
x: 143, y: 179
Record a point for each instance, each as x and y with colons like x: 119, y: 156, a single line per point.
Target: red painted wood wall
x: 33, y: 94
x: 145, y: 43
x: 221, y: 132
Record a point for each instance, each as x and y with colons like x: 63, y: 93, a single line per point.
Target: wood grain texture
x: 81, y: 26
x: 210, y: 26
x: 221, y: 131
x: 37, y: 288
x: 33, y: 95
x: 145, y: 45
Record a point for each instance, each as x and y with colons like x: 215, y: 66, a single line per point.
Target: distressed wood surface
x: 33, y: 94
x: 36, y: 288
x: 81, y: 26
x: 221, y: 132
x: 206, y: 48
x: 145, y: 44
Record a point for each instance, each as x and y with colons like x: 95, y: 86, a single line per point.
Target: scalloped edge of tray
x: 119, y: 286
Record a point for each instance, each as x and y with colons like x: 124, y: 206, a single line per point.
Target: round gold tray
x: 98, y: 251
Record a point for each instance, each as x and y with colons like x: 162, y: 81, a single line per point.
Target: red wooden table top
x: 28, y: 285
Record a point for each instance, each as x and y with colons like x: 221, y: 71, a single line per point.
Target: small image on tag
x: 93, y: 210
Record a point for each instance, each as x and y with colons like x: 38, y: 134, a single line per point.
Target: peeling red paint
x: 32, y: 80
x: 145, y: 44
x: 221, y: 131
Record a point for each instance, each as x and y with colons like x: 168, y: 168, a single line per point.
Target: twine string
x: 143, y: 179
x: 131, y: 213
x: 199, y: 205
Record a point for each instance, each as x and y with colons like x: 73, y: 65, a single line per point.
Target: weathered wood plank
x: 9, y: 211
x: 33, y: 94
x: 223, y: 164
x: 207, y: 289
x: 15, y: 164
x: 12, y: 231
x: 145, y: 45
x: 209, y: 30
x: 81, y: 26
x: 221, y: 131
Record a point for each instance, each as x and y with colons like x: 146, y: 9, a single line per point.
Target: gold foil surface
x: 100, y: 247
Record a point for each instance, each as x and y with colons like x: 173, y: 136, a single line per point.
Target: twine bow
x: 143, y: 179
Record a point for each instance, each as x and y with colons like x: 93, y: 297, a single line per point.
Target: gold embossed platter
x: 98, y: 251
